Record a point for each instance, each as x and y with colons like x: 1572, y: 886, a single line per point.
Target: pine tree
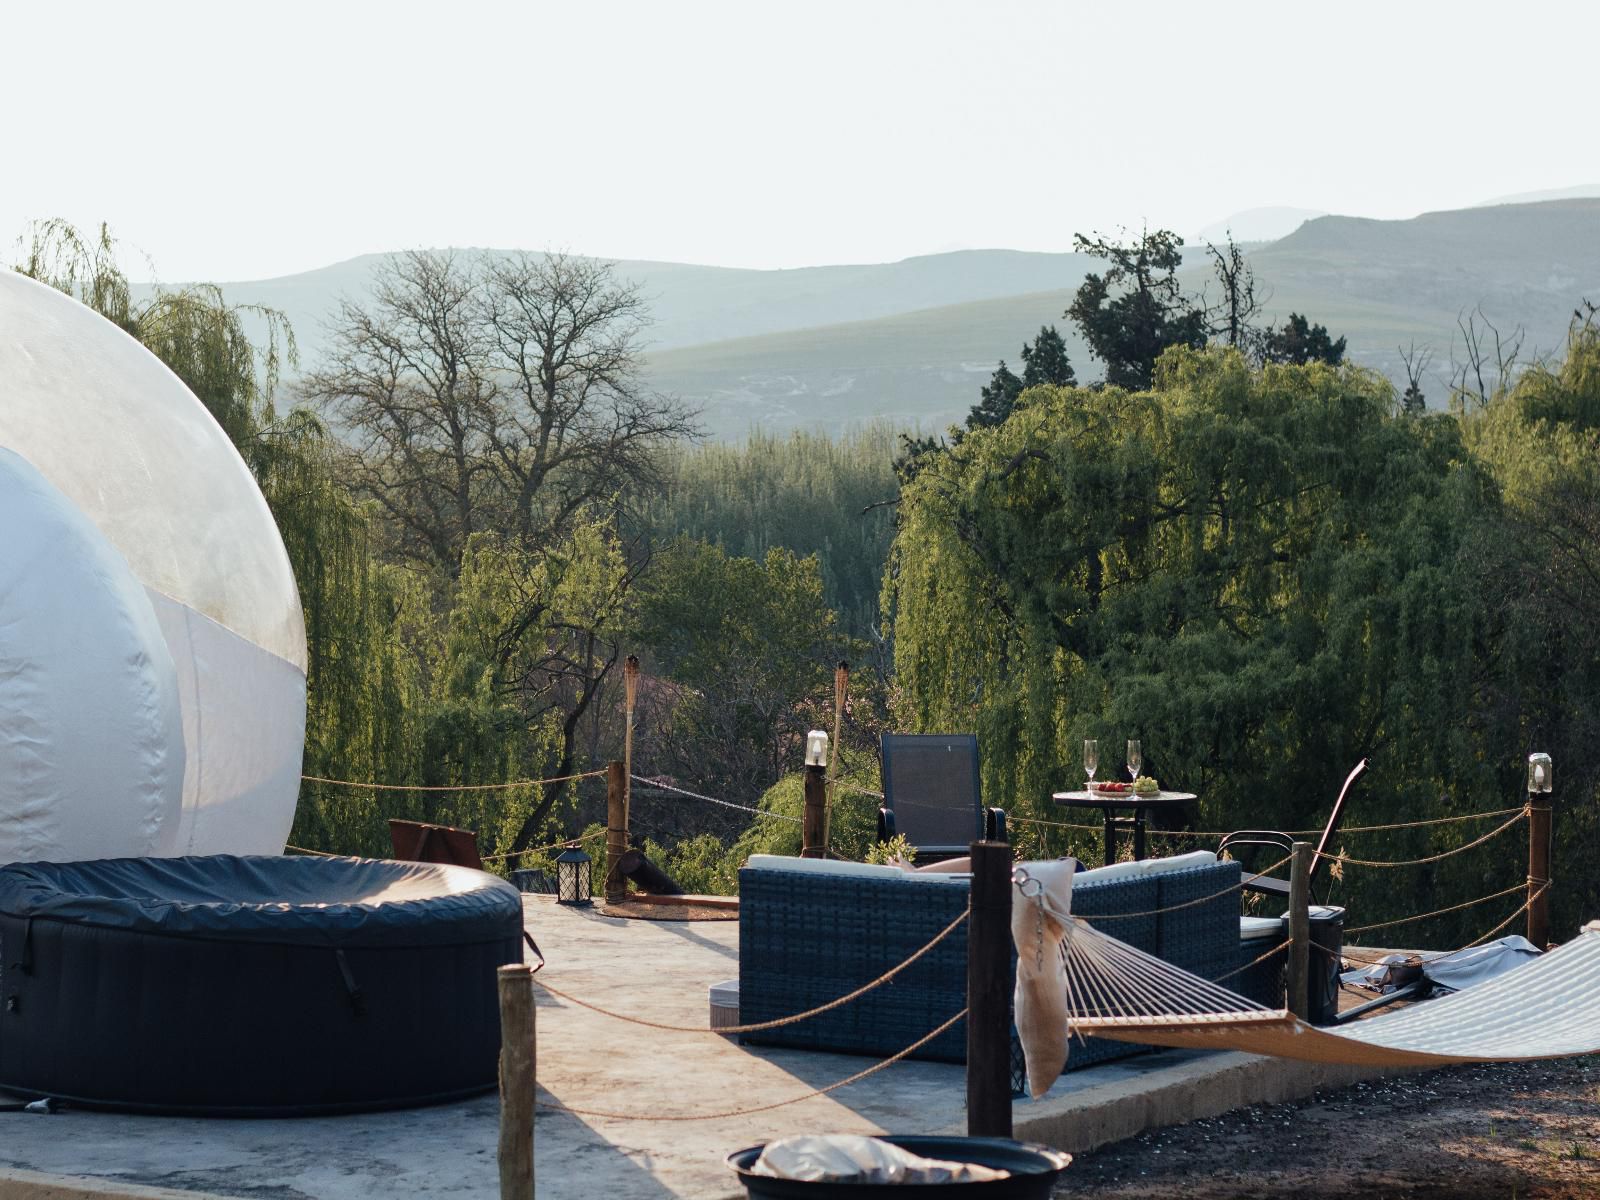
x: 1300, y: 342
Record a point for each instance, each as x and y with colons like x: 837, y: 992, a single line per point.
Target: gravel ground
x: 1529, y: 1131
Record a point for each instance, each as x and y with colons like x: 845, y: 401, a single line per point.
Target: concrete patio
x: 656, y: 970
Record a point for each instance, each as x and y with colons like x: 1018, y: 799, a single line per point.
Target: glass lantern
x: 1539, y: 774
x: 816, y: 749
x: 572, y: 876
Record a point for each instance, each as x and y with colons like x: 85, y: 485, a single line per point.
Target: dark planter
x: 1034, y: 1171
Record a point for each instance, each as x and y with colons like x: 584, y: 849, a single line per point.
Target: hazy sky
x: 233, y: 141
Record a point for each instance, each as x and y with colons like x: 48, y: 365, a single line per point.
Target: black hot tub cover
x: 252, y: 986
x: 323, y: 901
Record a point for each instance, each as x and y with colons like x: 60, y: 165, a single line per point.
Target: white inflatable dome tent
x: 152, y: 648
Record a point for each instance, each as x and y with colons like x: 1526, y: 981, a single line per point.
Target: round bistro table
x: 1126, y: 803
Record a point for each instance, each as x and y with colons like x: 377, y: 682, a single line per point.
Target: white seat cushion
x: 1179, y: 862
x: 1252, y: 928
x: 1121, y: 870
x: 1149, y: 866
x: 837, y: 867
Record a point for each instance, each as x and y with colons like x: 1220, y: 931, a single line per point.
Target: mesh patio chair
x: 1284, y: 843
x: 1266, y: 980
x: 931, y: 795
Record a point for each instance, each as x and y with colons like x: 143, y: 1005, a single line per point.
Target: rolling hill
x: 693, y: 305
x: 912, y: 342
x: 917, y: 370
x: 1381, y: 284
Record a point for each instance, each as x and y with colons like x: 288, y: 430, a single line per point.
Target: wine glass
x: 1091, y: 757
x: 1135, y: 759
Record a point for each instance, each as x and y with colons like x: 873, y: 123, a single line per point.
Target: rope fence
x: 1517, y: 912
x: 1515, y: 816
x: 1155, y: 912
x: 448, y: 787
x: 1438, y: 912
x: 1343, y: 829
x: 1256, y: 961
x: 760, y: 812
x: 1483, y: 816
x: 850, y: 787
x: 1011, y: 820
x: 813, y: 1093
x: 561, y: 845
x: 1342, y: 860
x: 564, y: 842
x: 1212, y: 833
x: 552, y: 1106
x: 778, y: 1023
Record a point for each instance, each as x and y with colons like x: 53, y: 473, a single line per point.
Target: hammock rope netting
x: 1544, y: 1009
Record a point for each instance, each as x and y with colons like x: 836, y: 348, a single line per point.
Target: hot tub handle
x: 358, y: 1003
x: 25, y: 962
x: 534, y: 946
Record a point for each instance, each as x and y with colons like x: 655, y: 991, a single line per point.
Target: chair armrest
x: 994, y: 824
x: 885, y: 824
x: 1266, y: 885
x: 1257, y: 837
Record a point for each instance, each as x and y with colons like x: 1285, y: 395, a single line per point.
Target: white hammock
x: 1073, y: 979
x: 1549, y: 1008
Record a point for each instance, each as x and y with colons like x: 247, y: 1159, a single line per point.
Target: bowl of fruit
x: 1110, y: 787
x: 1146, y: 786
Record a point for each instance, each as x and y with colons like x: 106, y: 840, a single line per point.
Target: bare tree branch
x: 494, y: 393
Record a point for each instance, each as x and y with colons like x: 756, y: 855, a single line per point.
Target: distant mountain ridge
x: 1259, y: 224
x: 912, y: 342
x: 692, y: 305
x: 1566, y: 193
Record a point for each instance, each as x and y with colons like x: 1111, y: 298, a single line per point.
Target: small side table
x: 1137, y: 806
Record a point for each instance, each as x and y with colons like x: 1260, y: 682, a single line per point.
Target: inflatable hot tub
x: 252, y: 985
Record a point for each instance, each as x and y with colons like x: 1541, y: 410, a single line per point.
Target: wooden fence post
x: 630, y: 688
x: 841, y: 684
x: 1300, y: 929
x: 814, y: 838
x: 517, y: 1074
x: 989, y: 989
x: 1539, y: 834
x: 616, y: 831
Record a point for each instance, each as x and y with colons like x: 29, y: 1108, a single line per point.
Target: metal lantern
x: 572, y: 876
x: 1539, y: 774
x: 816, y: 749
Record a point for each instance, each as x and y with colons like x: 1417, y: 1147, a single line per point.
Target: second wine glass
x: 1135, y: 759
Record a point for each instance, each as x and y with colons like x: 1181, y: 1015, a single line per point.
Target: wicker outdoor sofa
x: 811, y: 931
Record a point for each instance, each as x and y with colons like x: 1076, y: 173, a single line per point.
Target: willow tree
x: 362, y: 717
x: 738, y: 677
x: 1260, y: 573
x: 533, y: 636
x: 801, y: 491
x: 1540, y: 574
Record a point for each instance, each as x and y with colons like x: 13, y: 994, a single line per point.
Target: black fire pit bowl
x: 1034, y: 1171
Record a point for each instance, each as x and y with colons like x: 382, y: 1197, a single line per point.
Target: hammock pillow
x: 1041, y: 892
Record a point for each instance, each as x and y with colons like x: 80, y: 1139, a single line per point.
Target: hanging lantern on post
x: 572, y: 876
x: 817, y: 749
x: 814, y: 823
x: 1540, y: 830
x: 1540, y: 774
